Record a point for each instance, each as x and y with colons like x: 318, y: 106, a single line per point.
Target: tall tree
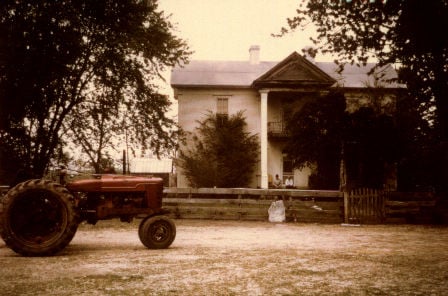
x: 409, y: 33
x: 57, y: 56
x: 417, y: 167
x: 221, y: 153
x: 316, y: 138
x: 323, y: 132
x: 92, y: 126
x: 96, y: 127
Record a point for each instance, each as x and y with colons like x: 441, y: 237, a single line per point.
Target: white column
x: 264, y: 138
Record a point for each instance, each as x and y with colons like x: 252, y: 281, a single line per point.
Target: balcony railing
x: 277, y: 129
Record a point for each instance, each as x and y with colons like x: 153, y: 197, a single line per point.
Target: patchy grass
x: 238, y: 258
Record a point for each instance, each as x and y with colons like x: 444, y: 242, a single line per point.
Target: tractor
x: 40, y: 217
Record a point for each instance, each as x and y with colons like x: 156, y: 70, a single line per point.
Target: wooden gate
x: 364, y: 205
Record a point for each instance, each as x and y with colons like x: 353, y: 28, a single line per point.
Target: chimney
x: 254, y: 54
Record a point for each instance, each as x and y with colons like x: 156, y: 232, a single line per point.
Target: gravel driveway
x: 238, y: 258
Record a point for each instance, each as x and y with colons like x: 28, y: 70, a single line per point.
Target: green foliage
x: 316, y: 138
x: 323, y: 132
x: 419, y: 160
x: 393, y: 31
x: 370, y: 144
x: 221, y: 153
x: 407, y: 33
x: 64, y: 63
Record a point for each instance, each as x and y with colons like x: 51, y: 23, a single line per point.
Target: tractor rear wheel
x: 39, y: 218
x: 157, y: 232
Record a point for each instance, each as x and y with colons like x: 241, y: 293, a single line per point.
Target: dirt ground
x: 238, y: 258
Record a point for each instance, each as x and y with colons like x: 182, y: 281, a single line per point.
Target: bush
x: 222, y: 153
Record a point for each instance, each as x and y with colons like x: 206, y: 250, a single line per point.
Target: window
x: 222, y: 110
x: 288, y: 167
x: 288, y: 172
x: 222, y: 107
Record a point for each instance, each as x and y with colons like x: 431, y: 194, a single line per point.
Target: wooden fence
x: 253, y: 204
x: 414, y: 207
x: 360, y: 206
x: 364, y: 205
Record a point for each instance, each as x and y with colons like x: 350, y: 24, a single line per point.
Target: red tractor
x: 40, y: 217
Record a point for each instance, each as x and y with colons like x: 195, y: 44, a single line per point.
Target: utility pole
x: 124, y: 162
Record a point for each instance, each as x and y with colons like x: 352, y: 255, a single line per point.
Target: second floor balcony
x: 277, y: 130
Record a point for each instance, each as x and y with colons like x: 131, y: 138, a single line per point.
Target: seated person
x: 289, y: 183
x: 277, y: 182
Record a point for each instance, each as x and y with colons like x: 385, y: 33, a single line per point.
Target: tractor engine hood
x: 114, y: 183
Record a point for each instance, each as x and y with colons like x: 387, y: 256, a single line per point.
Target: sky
x: 225, y: 29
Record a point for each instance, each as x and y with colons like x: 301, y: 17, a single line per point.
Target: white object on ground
x: 277, y: 211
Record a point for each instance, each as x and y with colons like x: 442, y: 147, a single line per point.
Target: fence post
x: 346, y: 206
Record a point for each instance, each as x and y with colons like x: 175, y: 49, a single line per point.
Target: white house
x: 266, y: 92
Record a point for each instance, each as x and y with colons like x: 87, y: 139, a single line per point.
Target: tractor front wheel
x: 39, y: 218
x: 157, y: 232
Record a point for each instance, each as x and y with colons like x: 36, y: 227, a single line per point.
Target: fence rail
x: 237, y: 192
x: 252, y: 204
x: 325, y: 206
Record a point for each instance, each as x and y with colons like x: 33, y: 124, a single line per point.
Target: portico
x: 295, y: 76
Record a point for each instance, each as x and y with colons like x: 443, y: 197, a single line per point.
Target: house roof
x: 219, y: 73
x: 295, y: 70
x: 243, y: 74
x: 358, y: 77
x: 151, y: 165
